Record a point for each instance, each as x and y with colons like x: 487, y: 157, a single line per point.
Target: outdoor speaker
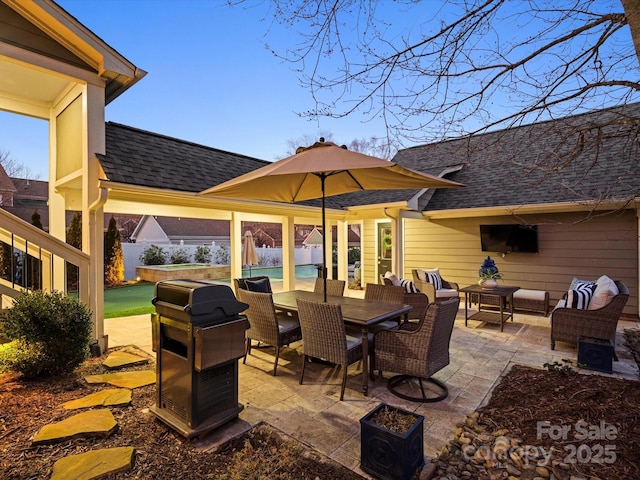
x: 595, y: 354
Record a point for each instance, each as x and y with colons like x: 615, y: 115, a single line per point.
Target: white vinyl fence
x: 268, y: 257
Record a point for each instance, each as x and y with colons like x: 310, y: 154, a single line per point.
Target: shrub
x: 153, y: 255
x: 222, y: 255
x: 50, y: 334
x: 180, y: 255
x: 354, y: 255
x: 202, y: 255
x: 113, y: 256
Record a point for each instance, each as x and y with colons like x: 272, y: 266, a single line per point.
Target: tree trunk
x: 632, y: 12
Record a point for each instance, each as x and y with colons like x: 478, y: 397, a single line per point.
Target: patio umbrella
x: 321, y: 170
x: 249, y: 254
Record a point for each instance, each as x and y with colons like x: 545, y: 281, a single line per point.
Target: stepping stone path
x: 136, y: 379
x: 98, y: 422
x: 104, y: 398
x: 94, y: 464
x: 94, y: 423
x: 123, y: 359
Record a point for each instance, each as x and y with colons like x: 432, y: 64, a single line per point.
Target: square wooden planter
x: 595, y: 354
x: 388, y: 455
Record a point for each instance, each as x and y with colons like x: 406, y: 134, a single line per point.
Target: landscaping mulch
x: 523, y: 398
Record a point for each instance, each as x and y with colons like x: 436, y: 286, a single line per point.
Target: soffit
x: 45, y: 35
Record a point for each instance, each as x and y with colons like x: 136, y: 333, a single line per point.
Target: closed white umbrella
x: 249, y: 254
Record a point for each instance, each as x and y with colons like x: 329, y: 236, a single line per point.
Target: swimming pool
x: 275, y: 273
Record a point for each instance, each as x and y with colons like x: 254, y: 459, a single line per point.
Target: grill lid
x: 198, y: 299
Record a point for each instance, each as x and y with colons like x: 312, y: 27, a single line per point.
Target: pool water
x: 275, y: 273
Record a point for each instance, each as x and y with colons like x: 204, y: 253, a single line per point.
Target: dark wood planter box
x: 595, y: 354
x: 388, y: 455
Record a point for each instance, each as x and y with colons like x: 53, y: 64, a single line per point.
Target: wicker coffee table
x: 499, y: 315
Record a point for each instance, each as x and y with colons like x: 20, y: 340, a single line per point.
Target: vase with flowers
x: 489, y: 274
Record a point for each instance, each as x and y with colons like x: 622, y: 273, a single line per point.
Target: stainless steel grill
x: 198, y: 337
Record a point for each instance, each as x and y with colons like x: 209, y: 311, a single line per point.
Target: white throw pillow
x: 393, y: 277
x: 605, y: 290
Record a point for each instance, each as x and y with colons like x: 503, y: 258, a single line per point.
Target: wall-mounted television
x: 509, y: 238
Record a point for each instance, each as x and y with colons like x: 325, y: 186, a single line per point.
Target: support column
x: 288, y: 254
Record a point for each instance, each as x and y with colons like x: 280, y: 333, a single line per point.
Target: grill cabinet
x: 198, y: 337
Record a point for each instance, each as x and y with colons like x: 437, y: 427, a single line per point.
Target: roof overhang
x: 118, y: 73
x: 563, y: 207
x: 126, y: 198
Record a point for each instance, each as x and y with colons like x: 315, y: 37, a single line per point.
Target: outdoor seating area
x: 567, y: 324
x: 312, y: 411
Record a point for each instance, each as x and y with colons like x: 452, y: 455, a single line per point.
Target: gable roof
x: 138, y: 157
x: 525, y: 165
x: 548, y: 162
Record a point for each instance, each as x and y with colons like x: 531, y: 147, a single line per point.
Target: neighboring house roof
x: 193, y: 227
x: 32, y: 192
x: 7, y: 188
x: 314, y: 238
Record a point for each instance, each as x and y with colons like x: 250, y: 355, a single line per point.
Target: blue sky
x: 210, y: 80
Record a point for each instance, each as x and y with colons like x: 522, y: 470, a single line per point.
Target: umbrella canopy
x: 323, y: 170
x: 249, y: 254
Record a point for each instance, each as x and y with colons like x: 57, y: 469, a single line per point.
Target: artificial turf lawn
x: 134, y: 299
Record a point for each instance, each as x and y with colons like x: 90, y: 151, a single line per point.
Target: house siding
x: 569, y: 246
x: 368, y: 253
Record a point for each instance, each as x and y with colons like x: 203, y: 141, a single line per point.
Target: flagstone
x: 110, y: 396
x: 94, y: 464
x: 121, y: 358
x: 135, y: 379
x: 94, y: 423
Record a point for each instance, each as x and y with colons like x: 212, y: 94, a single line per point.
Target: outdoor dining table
x: 355, y: 311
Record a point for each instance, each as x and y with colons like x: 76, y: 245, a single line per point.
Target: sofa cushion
x: 605, y: 290
x: 447, y: 293
x: 580, y: 295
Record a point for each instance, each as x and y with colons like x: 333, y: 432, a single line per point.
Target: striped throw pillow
x: 409, y: 286
x: 435, y: 279
x: 580, y: 295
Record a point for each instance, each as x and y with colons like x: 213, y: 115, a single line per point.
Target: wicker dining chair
x: 334, y: 287
x: 324, y: 337
x: 387, y: 294
x: 416, y: 353
x: 266, y: 325
x: 418, y: 301
x: 255, y: 284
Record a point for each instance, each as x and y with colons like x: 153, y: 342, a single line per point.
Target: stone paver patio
x: 312, y: 412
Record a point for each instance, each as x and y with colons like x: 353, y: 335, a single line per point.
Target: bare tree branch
x: 462, y: 67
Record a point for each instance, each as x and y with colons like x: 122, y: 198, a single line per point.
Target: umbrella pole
x: 324, y: 242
